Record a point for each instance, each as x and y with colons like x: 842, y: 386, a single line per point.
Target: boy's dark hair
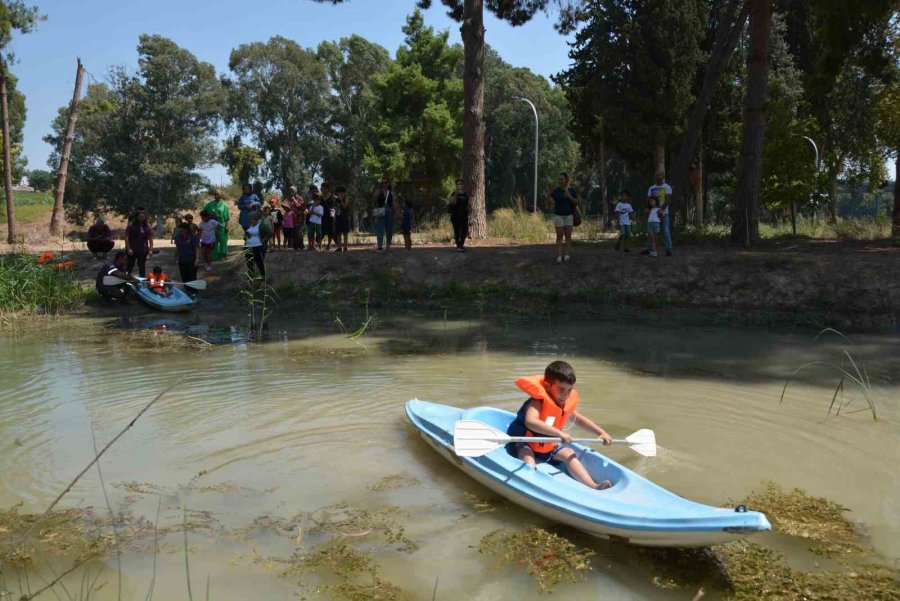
x: 185, y: 226
x: 656, y: 198
x: 564, y: 174
x: 189, y: 216
x: 560, y: 371
x: 119, y: 255
x: 157, y: 269
x: 205, y: 214
x: 626, y: 193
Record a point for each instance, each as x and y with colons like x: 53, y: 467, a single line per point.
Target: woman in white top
x: 254, y: 251
x: 653, y: 222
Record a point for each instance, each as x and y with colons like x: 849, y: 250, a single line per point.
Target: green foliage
x: 41, y: 180
x: 278, y: 96
x: 27, y: 287
x: 17, y: 112
x: 418, y: 110
x: 241, y: 160
x: 141, y: 140
x: 509, y: 132
x: 634, y: 64
x: 16, y: 15
x: 351, y: 64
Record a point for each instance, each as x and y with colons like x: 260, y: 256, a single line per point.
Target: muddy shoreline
x: 849, y: 286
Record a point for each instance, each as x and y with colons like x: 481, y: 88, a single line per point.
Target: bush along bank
x: 44, y: 285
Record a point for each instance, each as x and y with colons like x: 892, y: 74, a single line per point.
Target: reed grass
x: 29, y: 288
x: 850, y: 372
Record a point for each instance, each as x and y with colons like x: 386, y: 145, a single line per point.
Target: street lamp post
x: 536, y: 129
x: 793, y: 208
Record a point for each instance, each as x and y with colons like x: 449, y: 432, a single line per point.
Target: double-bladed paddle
x: 111, y: 280
x: 472, y: 438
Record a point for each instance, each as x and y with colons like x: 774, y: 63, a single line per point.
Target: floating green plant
x: 551, y: 559
x: 400, y: 480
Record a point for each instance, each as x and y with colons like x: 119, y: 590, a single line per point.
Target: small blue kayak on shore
x: 633, y: 510
x: 177, y: 302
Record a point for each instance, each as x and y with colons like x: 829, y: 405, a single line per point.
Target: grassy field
x: 31, y: 207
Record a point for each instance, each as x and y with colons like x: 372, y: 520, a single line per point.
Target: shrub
x: 27, y: 287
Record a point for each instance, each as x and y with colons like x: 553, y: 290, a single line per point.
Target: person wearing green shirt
x: 218, y: 208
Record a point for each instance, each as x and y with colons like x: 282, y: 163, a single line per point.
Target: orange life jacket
x: 157, y: 283
x: 551, y: 413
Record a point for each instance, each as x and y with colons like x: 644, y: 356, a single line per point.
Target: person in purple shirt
x: 186, y: 244
x: 100, y: 239
x: 115, y: 268
x: 138, y: 242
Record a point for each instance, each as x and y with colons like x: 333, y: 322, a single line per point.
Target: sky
x: 104, y: 33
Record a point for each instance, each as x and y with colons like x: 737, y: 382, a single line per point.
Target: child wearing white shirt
x: 625, y: 212
x: 653, y: 219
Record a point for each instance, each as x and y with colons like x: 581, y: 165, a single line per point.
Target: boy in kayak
x: 157, y: 282
x: 552, y: 401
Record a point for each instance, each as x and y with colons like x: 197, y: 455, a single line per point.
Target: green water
x: 312, y: 418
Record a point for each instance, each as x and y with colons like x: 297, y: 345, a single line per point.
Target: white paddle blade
x: 196, y: 284
x: 111, y: 280
x: 472, y: 438
x: 643, y: 442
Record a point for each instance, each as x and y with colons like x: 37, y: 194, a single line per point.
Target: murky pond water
x: 312, y: 419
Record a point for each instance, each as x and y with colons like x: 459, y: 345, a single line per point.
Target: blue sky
x: 105, y: 32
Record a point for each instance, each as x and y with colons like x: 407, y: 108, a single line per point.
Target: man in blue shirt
x: 248, y: 202
x: 663, y: 192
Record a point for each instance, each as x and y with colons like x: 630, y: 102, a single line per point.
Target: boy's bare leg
x: 527, y: 455
x: 577, y: 469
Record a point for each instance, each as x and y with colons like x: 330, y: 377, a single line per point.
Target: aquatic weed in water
x: 850, y: 371
x: 548, y: 557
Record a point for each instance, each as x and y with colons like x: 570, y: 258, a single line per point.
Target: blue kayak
x: 178, y: 301
x: 634, y: 510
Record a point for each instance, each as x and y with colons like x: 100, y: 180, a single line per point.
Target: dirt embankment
x: 811, y: 284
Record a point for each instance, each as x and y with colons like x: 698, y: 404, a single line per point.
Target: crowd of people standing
x: 321, y: 221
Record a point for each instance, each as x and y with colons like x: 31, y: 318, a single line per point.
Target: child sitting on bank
x: 156, y: 283
x: 551, y: 403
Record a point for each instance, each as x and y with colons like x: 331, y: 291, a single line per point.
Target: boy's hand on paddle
x: 606, y: 438
x: 566, y: 437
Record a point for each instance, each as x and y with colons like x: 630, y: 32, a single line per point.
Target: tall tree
x: 63, y: 172
x: 143, y: 137
x: 727, y: 23
x: 417, y: 109
x: 745, y: 225
x: 278, y: 96
x: 842, y: 55
x: 351, y: 66
x: 470, y: 14
x: 631, y: 80
x: 242, y: 161
x: 509, y: 132
x: 15, y: 15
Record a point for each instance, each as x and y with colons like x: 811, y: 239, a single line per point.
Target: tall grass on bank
x: 26, y: 287
x: 519, y: 225
x: 864, y: 229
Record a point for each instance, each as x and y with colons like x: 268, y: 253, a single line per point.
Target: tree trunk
x: 659, y: 158
x: 473, y: 115
x: 603, y: 184
x: 832, y: 194
x: 895, y: 216
x: 745, y: 227
x: 55, y: 217
x: 727, y: 36
x: 697, y: 189
x: 7, y: 160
